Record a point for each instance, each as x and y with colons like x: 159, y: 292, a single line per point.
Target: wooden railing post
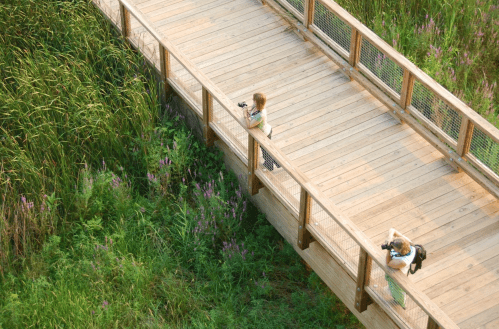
x: 164, y: 62
x: 407, y: 88
x: 308, y: 14
x: 209, y: 134
x: 362, y: 299
x: 432, y: 324
x: 465, y: 136
x: 304, y: 237
x: 125, y: 21
x: 355, y: 45
x: 254, y: 183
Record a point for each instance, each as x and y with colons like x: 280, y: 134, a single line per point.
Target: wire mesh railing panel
x: 436, y: 111
x: 232, y: 129
x: 395, y: 299
x: 143, y: 39
x: 485, y: 149
x: 111, y: 9
x: 282, y: 182
x: 337, y: 239
x: 296, y: 4
x: 381, y: 66
x: 332, y: 26
x: 186, y: 81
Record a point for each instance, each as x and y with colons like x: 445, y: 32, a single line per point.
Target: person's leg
x: 268, y: 161
x: 398, y: 293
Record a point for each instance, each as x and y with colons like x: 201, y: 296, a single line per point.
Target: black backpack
x: 418, y: 259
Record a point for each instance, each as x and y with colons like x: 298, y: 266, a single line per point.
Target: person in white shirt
x: 256, y: 116
x: 400, y: 258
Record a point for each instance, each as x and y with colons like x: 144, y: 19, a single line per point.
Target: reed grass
x: 455, y: 42
x: 70, y: 92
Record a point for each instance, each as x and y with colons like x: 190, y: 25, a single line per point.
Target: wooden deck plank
x: 378, y: 172
x: 374, y: 161
x: 482, y: 309
x: 395, y: 164
x: 441, y: 210
x: 392, y: 188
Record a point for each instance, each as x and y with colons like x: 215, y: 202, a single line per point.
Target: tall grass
x: 70, y: 92
x: 455, y: 42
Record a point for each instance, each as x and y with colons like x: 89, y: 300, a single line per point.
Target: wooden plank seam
x: 259, y: 137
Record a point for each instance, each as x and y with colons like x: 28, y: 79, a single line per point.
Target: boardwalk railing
x: 469, y: 142
x: 318, y: 218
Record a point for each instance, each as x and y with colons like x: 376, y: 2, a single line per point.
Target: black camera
x: 387, y: 246
x: 242, y: 104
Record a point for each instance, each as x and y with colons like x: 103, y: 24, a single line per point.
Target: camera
x: 242, y: 104
x: 387, y: 246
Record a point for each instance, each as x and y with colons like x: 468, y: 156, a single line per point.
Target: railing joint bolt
x: 358, y: 289
x: 299, y: 241
x: 357, y: 304
x: 300, y: 227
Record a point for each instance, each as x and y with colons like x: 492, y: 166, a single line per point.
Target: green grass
x: 111, y: 213
x: 455, y: 42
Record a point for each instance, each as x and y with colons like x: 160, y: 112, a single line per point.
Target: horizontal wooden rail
x: 419, y: 75
x: 399, y: 105
x: 308, y: 187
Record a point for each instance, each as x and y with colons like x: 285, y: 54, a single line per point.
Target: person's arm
x: 253, y: 121
x: 396, y: 263
x: 393, y: 233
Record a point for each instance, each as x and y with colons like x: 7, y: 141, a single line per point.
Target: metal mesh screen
x: 412, y: 315
x: 230, y: 127
x: 435, y: 110
x: 381, y: 66
x: 297, y: 4
x: 111, y: 9
x: 485, y: 149
x: 338, y: 240
x: 182, y: 78
x: 332, y: 26
x: 143, y: 40
x: 282, y: 182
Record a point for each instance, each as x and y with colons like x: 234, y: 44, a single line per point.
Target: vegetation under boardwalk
x: 378, y: 172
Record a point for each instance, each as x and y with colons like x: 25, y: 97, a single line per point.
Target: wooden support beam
x: 355, y: 45
x: 125, y: 21
x: 362, y: 299
x: 164, y: 62
x: 254, y: 183
x: 308, y: 15
x: 304, y: 236
x: 432, y: 324
x: 407, y: 88
x: 209, y: 134
x: 465, y: 136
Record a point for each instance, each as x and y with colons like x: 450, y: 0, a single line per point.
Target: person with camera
x: 400, y: 254
x: 256, y: 116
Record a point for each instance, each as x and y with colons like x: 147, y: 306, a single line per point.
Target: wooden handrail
x: 418, y: 74
x: 484, y: 176
x: 259, y: 137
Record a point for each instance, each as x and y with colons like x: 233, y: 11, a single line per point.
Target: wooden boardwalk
x: 379, y: 172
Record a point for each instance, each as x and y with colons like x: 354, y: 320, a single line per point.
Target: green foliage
x: 127, y: 220
x: 455, y: 42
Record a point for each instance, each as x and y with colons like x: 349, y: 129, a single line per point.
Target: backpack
x: 418, y: 259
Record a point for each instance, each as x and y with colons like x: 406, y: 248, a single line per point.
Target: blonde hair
x: 403, y: 245
x: 260, y: 100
